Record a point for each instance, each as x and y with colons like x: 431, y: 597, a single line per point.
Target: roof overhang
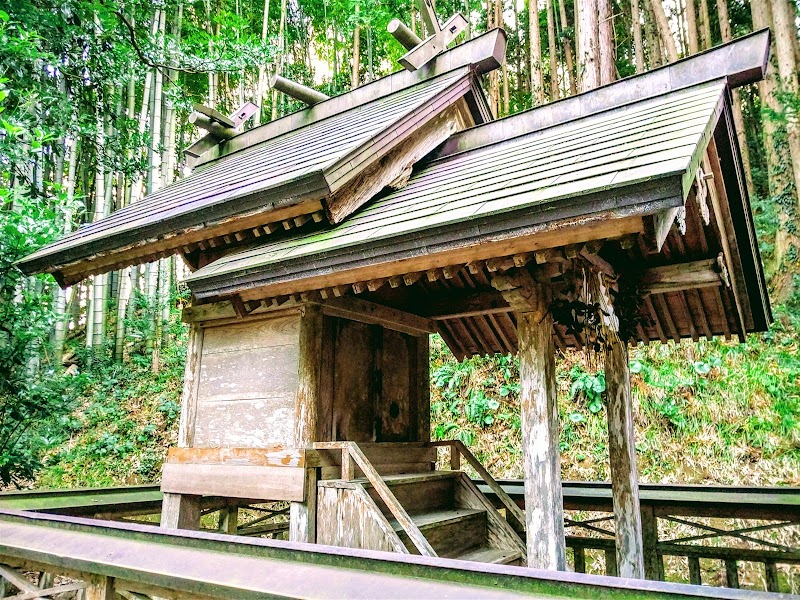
x: 161, y: 225
x: 646, y: 208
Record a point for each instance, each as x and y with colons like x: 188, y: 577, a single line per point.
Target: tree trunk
x: 60, y: 332
x: 784, y: 16
x: 588, y: 44
x: 551, y: 50
x: 262, y: 71
x: 638, y: 48
x: 562, y: 11
x: 736, y: 105
x: 212, y: 76
x: 779, y: 177
x: 535, y: 47
x: 705, y: 26
x: 356, y: 77
x: 608, y: 69
x: 664, y: 30
x: 653, y: 47
x: 691, y: 27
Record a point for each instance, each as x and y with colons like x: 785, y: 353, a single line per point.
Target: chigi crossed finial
x: 439, y: 36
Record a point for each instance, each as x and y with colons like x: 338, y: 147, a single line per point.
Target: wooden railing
x: 352, y: 457
x: 514, y: 515
x: 763, y: 510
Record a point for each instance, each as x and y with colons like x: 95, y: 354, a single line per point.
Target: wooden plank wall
x: 247, y: 384
x: 377, y: 393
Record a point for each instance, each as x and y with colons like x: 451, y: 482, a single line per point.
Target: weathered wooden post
x: 622, y: 457
x: 303, y: 515
x: 544, y: 513
x: 181, y: 511
x: 622, y: 446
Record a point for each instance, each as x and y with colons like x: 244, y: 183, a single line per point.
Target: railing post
x: 771, y: 575
x: 611, y: 562
x: 653, y: 565
x: 579, y: 552
x: 732, y: 573
x: 348, y: 467
x: 695, y: 576
x: 455, y: 458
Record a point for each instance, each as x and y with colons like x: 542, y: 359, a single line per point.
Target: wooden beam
x: 622, y: 458
x: 298, y: 91
x: 407, y: 38
x: 218, y: 130
x: 234, y: 481
x: 346, y: 274
x: 275, y: 456
x: 544, y: 516
x: 435, y: 44
x: 356, y: 309
x: 457, y: 304
x: 682, y: 276
x: 354, y: 188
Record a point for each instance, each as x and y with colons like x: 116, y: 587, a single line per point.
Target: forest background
x: 94, y: 100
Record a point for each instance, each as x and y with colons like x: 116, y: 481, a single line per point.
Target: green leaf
x: 701, y: 368
x: 577, y: 417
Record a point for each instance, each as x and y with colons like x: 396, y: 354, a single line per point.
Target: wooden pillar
x: 544, y: 512
x: 303, y: 515
x: 180, y: 511
x: 100, y: 588
x: 229, y: 520
x: 622, y: 457
x: 653, y: 563
x: 544, y: 502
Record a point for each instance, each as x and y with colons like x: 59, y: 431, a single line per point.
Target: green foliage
x: 590, y: 387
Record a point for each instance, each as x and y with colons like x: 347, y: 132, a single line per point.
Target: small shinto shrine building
x: 328, y: 245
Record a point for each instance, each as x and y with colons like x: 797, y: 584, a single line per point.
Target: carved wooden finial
x: 439, y: 36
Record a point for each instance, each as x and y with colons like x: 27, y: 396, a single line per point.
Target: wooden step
x: 419, y: 492
x: 496, y: 556
x: 450, y: 531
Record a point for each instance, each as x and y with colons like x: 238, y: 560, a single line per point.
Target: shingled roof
x: 619, y: 160
x: 285, y: 170
x: 647, y: 153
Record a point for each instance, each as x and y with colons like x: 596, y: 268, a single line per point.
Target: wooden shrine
x: 328, y: 245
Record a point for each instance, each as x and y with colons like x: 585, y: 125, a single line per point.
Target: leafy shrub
x: 590, y: 387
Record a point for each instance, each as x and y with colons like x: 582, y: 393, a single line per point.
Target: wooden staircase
x: 433, y: 513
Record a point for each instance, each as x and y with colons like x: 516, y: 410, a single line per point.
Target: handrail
x: 352, y: 453
x: 514, y: 513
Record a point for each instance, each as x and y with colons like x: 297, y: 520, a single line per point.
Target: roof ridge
x: 482, y: 54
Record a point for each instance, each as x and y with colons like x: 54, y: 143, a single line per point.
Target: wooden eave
x: 242, y: 219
